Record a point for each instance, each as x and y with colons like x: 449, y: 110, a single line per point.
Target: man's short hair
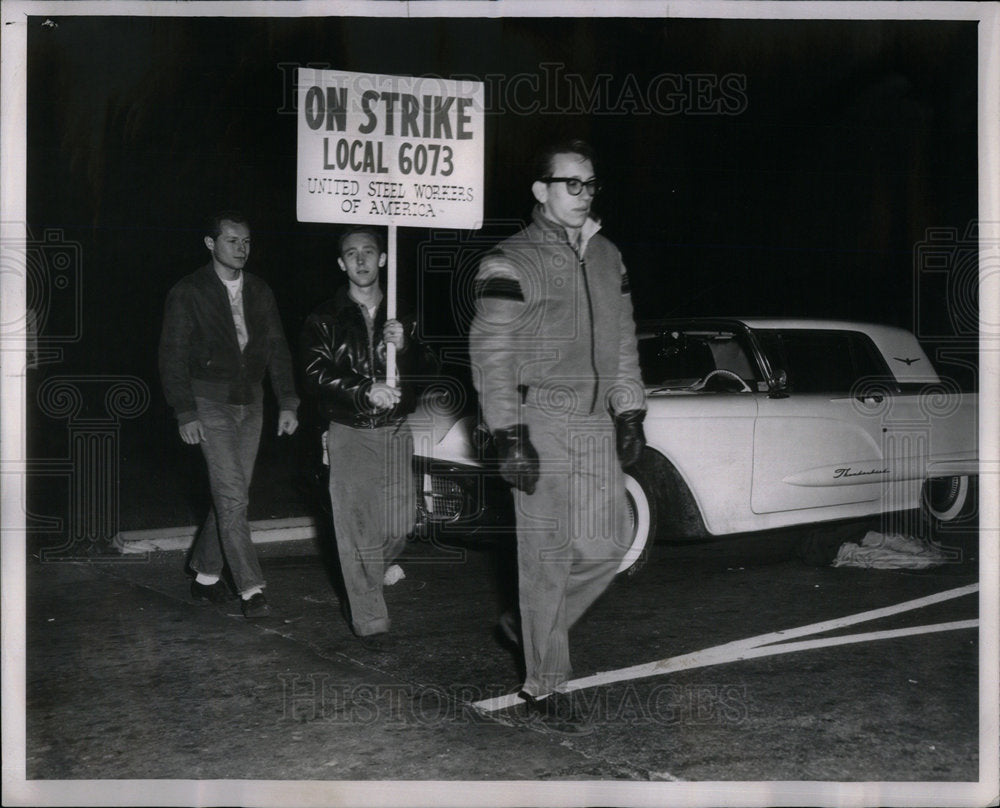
x: 358, y: 229
x: 543, y: 163
x: 213, y: 227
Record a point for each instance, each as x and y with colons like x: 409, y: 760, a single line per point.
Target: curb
x: 179, y: 538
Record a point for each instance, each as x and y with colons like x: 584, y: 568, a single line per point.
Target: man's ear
x: 210, y: 243
x: 540, y: 190
x: 343, y: 266
x: 382, y: 257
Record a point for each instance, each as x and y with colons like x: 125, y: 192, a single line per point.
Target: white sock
x: 251, y: 592
x: 206, y: 580
x: 394, y: 574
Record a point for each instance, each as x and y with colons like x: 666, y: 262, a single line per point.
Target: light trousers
x: 572, y: 533
x: 232, y: 436
x: 374, y: 510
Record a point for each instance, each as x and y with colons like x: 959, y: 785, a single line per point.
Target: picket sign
x: 389, y: 151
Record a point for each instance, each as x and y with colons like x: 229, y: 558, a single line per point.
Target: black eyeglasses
x: 574, y: 186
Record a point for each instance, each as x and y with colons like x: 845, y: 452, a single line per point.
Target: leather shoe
x: 255, y: 606
x: 210, y: 593
x: 376, y: 643
x: 562, y: 713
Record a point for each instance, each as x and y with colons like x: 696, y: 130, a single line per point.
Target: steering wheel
x: 721, y: 373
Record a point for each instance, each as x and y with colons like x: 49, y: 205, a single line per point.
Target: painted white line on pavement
x: 828, y: 642
x: 852, y: 619
x: 761, y: 645
x: 721, y: 654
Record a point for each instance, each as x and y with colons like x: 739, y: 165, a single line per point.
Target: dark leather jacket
x: 200, y: 356
x: 340, y: 364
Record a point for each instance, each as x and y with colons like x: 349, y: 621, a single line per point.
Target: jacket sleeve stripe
x: 500, y: 288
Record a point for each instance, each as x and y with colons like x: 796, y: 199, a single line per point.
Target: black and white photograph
x: 500, y: 403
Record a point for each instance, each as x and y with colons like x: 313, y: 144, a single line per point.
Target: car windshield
x: 679, y: 359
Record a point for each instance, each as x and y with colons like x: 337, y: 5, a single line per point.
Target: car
x: 753, y: 425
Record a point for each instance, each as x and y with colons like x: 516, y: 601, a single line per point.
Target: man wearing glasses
x: 556, y: 367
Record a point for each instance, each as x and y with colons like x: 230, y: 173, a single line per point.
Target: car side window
x: 666, y: 359
x: 824, y: 361
x: 678, y: 359
x: 730, y: 355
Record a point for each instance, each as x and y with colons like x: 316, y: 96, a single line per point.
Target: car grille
x: 442, y: 498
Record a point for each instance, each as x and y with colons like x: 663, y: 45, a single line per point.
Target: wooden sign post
x: 390, y: 306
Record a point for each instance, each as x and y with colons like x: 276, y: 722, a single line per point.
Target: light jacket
x: 553, y: 328
x: 200, y: 354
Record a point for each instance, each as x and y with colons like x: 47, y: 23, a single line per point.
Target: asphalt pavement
x: 129, y: 679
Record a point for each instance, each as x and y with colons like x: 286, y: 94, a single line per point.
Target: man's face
x: 557, y: 203
x: 360, y: 258
x: 231, y: 248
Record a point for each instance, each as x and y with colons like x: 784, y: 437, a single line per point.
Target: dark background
x: 856, y: 139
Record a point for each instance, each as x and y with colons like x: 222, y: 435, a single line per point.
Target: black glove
x: 518, y: 458
x: 629, y: 436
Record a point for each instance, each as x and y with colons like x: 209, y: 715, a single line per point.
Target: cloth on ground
x: 889, y: 551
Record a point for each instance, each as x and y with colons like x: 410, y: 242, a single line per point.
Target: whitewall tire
x: 641, y: 520
x: 946, y: 499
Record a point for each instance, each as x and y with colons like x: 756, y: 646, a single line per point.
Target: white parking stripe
x: 723, y: 654
x: 849, y: 620
x: 827, y: 642
x: 765, y: 645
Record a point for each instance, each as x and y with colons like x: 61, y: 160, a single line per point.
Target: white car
x: 753, y: 425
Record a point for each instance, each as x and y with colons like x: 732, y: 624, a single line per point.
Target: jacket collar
x: 208, y: 274
x: 212, y: 283
x: 558, y: 232
x: 342, y: 299
x: 238, y: 280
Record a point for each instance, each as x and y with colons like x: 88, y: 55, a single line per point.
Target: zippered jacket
x: 199, y: 352
x: 553, y: 328
x: 341, y: 363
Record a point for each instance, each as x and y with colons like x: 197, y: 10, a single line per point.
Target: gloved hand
x: 518, y: 458
x: 630, y: 438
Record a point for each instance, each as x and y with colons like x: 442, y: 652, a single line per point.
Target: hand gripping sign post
x: 389, y: 150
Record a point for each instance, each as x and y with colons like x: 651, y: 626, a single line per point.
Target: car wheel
x: 950, y: 515
x: 949, y: 507
x: 945, y: 498
x: 646, y: 492
x: 642, y: 520
x: 662, y: 509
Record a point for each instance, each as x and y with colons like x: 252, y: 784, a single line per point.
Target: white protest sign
x: 389, y: 150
